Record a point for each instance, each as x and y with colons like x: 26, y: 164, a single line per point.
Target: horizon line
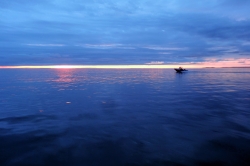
x: 113, y: 66
x: 97, y: 66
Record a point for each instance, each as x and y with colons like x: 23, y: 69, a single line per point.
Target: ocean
x: 124, y: 117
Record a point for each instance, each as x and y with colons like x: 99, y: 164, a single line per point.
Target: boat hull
x: 180, y: 70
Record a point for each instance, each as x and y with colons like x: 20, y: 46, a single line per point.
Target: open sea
x: 124, y: 117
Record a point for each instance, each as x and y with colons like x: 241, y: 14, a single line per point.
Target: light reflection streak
x: 65, y: 76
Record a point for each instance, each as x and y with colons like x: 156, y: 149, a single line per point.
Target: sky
x: 124, y: 32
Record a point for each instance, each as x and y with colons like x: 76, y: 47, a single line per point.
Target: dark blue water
x: 124, y: 117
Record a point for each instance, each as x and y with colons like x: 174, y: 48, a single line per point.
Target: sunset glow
x: 98, y: 67
x: 224, y: 63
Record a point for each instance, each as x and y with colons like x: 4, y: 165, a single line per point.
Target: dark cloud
x: 99, y: 32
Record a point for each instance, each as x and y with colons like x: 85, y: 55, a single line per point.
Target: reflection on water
x: 65, y: 75
x: 64, y: 78
x: 124, y: 117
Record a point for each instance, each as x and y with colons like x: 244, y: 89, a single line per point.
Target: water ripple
x: 124, y: 117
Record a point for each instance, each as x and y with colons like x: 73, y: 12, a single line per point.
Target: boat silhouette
x: 180, y: 69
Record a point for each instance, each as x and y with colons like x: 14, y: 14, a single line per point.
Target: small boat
x: 180, y: 69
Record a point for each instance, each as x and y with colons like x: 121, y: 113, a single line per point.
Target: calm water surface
x: 124, y: 117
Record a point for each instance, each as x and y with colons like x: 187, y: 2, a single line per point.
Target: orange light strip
x: 100, y: 67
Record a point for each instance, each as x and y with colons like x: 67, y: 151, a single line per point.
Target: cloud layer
x: 122, y: 32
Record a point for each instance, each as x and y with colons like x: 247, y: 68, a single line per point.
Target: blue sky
x: 44, y: 32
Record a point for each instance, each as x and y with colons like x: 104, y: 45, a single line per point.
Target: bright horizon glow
x: 100, y: 67
x: 216, y: 64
